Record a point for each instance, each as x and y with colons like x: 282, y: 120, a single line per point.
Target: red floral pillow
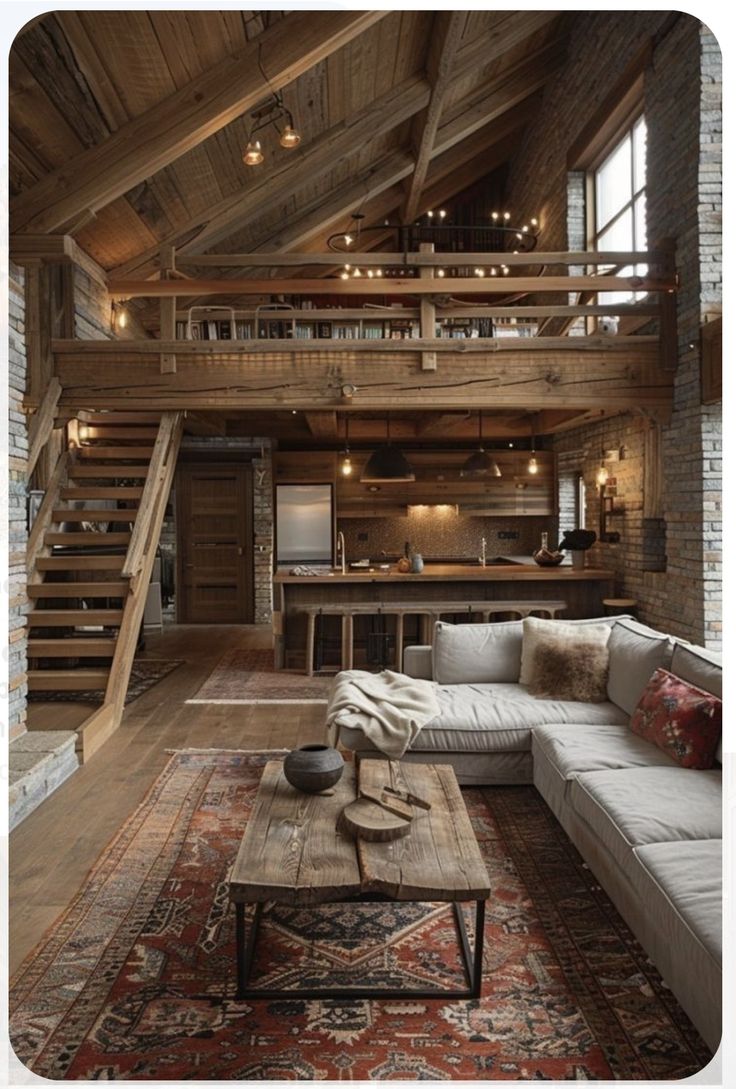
x: 684, y: 721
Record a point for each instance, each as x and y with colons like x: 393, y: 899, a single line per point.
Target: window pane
x: 613, y: 184
x: 640, y: 154
x: 620, y: 235
x: 640, y: 223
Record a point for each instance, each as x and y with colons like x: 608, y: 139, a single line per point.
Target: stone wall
x: 17, y: 517
x: 682, y: 109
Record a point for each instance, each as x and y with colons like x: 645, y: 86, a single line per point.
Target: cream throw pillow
x: 565, y: 660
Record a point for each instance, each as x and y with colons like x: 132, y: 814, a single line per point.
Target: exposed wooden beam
x: 272, y: 187
x: 617, y: 375
x: 323, y: 425
x: 100, y: 174
x: 447, y: 30
x: 500, y: 285
x: 442, y: 423
x: 422, y: 259
x: 90, y: 64
x: 492, y: 100
x: 205, y: 423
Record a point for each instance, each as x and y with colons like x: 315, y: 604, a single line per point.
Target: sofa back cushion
x: 477, y: 653
x: 702, y: 668
x: 682, y: 720
x: 536, y: 630
x: 634, y: 652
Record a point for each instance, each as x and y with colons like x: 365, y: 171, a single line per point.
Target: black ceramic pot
x: 313, y: 768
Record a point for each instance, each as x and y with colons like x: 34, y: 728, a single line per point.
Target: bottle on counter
x: 544, y: 556
x: 404, y: 564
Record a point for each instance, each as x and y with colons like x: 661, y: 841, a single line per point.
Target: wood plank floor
x: 52, y: 851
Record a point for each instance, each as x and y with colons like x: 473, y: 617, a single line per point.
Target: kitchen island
x: 581, y: 590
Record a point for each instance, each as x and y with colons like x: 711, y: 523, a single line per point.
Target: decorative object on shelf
x: 346, y: 462
x: 480, y: 463
x: 578, y: 541
x: 545, y: 556
x: 417, y: 563
x: 313, y: 768
x: 387, y: 462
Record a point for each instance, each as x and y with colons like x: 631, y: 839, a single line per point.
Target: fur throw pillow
x: 571, y: 667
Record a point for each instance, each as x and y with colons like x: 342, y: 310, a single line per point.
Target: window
x: 618, y: 190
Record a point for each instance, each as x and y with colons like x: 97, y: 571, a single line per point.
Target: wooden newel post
x: 427, y: 315
x: 168, y: 310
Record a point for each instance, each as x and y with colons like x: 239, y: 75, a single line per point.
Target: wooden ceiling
x: 127, y: 127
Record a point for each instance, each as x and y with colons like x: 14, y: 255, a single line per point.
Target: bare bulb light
x: 253, y: 154
x: 533, y: 465
x: 122, y: 318
x: 346, y: 465
x: 601, y: 477
x: 289, y: 137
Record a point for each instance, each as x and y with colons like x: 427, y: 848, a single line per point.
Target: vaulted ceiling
x: 127, y: 128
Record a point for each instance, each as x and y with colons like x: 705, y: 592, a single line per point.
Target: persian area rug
x: 248, y: 676
x: 137, y: 979
x: 145, y: 673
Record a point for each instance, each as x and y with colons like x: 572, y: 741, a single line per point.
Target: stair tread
x: 74, y: 617
x: 116, y: 430
x: 119, y: 417
x: 80, y: 563
x: 118, y: 453
x: 87, y: 539
x: 69, y: 680
x: 71, y: 648
x: 78, y: 589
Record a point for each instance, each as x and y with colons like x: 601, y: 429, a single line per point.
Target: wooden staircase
x: 89, y: 568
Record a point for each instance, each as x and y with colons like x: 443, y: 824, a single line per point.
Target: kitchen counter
x: 447, y: 572
x: 582, y: 590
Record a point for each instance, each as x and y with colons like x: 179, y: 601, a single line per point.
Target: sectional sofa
x: 649, y: 829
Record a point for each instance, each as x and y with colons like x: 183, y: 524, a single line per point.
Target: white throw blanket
x: 390, y: 708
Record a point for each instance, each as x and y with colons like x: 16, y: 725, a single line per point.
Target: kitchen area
x: 369, y: 551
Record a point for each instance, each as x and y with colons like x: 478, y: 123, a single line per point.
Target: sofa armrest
x: 418, y: 662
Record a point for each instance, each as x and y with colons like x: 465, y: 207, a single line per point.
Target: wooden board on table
x: 440, y: 858
x: 292, y: 851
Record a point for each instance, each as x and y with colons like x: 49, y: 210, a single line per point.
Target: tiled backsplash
x: 440, y: 532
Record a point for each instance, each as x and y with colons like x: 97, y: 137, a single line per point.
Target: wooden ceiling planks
x: 130, y: 60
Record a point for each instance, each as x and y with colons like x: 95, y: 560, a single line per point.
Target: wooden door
x: 215, y: 544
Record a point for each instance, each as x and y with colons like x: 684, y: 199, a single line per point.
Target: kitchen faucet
x: 341, y: 549
x: 482, y: 557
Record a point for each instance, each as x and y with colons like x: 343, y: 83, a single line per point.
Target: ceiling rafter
x: 447, y: 31
x: 100, y: 174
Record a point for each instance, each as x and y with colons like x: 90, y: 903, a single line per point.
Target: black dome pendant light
x: 480, y: 463
x: 386, y: 463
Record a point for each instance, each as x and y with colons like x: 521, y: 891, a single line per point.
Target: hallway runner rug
x: 145, y: 673
x: 137, y: 979
x: 249, y: 677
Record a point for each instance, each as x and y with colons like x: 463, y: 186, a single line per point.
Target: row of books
x: 392, y: 329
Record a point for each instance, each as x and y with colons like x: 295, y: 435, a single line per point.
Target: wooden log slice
x: 367, y: 820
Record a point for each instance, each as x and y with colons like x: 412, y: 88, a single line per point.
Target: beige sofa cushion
x: 482, y: 653
x: 632, y: 808
x: 574, y: 749
x: 634, y: 652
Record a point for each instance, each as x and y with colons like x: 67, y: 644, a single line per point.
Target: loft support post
x: 427, y: 315
x: 168, y: 310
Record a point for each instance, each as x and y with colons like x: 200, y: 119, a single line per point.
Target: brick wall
x: 682, y: 109
x: 17, y: 534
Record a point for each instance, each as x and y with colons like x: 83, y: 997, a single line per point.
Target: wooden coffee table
x: 293, y: 853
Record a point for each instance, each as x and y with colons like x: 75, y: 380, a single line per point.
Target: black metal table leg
x: 245, y: 950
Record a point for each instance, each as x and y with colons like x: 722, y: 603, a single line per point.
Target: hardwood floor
x: 52, y: 851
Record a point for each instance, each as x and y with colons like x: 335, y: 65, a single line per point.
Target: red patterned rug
x: 248, y: 676
x: 136, y: 980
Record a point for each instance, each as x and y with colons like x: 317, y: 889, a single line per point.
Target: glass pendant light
x: 289, y: 137
x: 386, y: 462
x: 253, y: 154
x: 346, y: 462
x: 480, y: 463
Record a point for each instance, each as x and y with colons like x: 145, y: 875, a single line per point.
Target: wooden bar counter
x: 582, y: 590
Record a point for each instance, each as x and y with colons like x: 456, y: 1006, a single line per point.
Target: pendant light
x: 289, y: 136
x: 386, y: 463
x: 533, y: 464
x: 346, y: 463
x: 253, y: 154
x: 480, y: 463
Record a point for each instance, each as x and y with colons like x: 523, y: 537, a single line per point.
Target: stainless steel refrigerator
x: 304, y: 524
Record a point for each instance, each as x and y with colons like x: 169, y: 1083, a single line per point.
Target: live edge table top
x: 293, y: 852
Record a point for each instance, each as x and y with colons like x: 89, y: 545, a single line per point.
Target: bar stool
x: 620, y: 606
